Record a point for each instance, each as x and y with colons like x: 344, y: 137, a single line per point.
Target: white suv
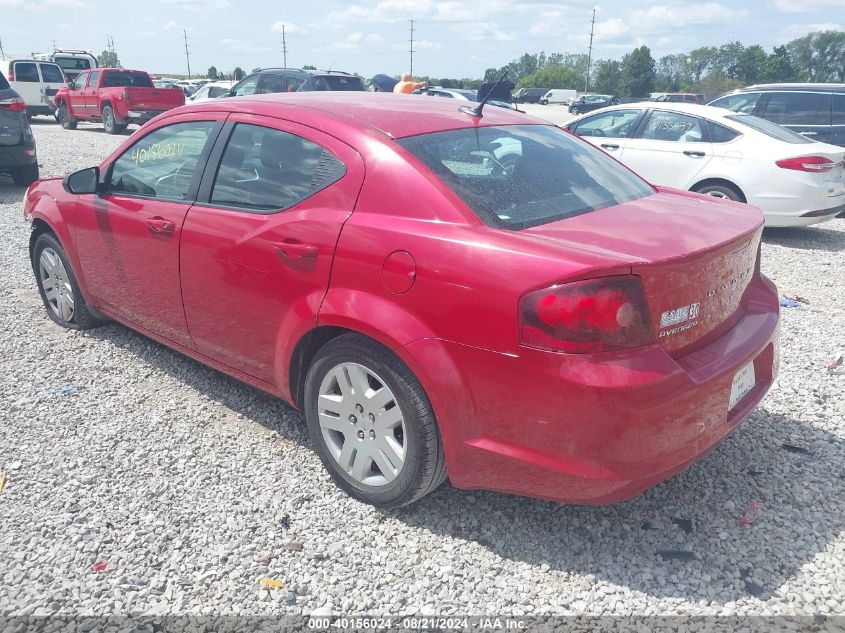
x: 36, y: 82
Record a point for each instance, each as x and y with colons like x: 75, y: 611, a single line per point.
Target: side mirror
x: 83, y: 181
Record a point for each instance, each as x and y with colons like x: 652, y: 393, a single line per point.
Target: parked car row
x: 18, y: 156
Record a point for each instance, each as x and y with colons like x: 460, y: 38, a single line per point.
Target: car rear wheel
x: 58, y: 287
x: 544, y: 102
x: 25, y: 175
x: 724, y: 192
x: 371, y: 423
x: 574, y: 110
x: 110, y: 124
x: 65, y: 120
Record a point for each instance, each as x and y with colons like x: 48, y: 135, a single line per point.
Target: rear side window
x: 720, y: 133
x: 51, y: 74
x: 612, y: 124
x: 838, y: 109
x: 770, y: 129
x: 161, y: 164
x: 672, y: 126
x: 338, y: 82
x: 271, y: 83
x: 743, y: 102
x: 798, y: 108
x: 267, y: 170
x: 26, y: 72
x: 126, y: 80
x: 519, y: 176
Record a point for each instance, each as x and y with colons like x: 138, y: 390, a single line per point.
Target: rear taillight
x: 807, y: 163
x: 12, y: 71
x: 15, y: 104
x: 596, y: 315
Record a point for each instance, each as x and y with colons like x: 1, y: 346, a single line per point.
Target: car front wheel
x: 65, y: 120
x: 58, y: 287
x: 725, y: 192
x: 573, y: 110
x: 372, y: 424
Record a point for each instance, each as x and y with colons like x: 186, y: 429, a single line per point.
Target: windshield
x: 338, y: 82
x: 73, y: 63
x: 127, y: 79
x: 772, y: 130
x: 519, y: 176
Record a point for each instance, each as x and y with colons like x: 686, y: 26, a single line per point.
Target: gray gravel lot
x: 191, y: 487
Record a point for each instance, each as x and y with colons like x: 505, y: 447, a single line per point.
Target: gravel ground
x: 189, y: 487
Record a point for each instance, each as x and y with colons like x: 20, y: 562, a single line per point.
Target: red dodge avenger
x: 484, y: 297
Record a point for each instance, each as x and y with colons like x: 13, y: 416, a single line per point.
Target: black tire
x: 720, y: 191
x: 25, y: 175
x: 574, y: 111
x: 64, y: 118
x: 110, y: 125
x: 424, y: 468
x: 544, y: 102
x: 81, y: 319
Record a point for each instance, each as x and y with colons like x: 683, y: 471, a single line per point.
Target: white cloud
x: 808, y: 6
x: 661, y: 16
x: 794, y: 31
x: 290, y: 27
x: 487, y: 32
x: 234, y: 44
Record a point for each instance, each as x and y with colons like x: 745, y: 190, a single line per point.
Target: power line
x: 412, y: 47
x: 284, y: 47
x: 187, y: 54
x: 590, y: 53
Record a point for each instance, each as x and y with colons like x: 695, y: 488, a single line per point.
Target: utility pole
x: 412, y: 48
x: 284, y: 47
x: 590, y: 52
x: 187, y: 54
x: 54, y: 45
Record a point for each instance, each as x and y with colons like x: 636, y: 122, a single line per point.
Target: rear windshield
x: 772, y: 130
x: 73, y: 63
x: 127, y: 79
x: 338, y: 82
x: 519, y: 176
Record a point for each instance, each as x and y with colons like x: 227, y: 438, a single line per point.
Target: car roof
x: 693, y: 109
x: 811, y: 87
x: 301, y: 72
x: 395, y: 115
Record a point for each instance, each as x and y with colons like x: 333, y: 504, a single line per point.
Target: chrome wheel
x: 718, y: 194
x: 56, y: 284
x: 362, y: 424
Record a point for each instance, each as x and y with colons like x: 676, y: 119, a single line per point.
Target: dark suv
x: 815, y: 110
x: 17, y: 145
x: 270, y: 80
x: 529, y: 95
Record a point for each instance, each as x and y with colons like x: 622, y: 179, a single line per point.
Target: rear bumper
x: 12, y: 156
x: 598, y: 428
x: 36, y: 110
x: 792, y: 204
x: 142, y: 116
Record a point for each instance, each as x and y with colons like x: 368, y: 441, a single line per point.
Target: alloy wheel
x: 362, y: 424
x: 718, y: 194
x: 56, y: 284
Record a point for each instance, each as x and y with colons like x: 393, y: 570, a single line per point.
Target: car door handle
x: 694, y: 154
x: 610, y: 145
x: 808, y: 133
x: 296, y: 250
x: 158, y: 224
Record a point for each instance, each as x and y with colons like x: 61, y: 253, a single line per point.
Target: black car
x: 529, y: 95
x: 17, y: 145
x: 270, y: 80
x: 588, y: 103
x: 815, y: 110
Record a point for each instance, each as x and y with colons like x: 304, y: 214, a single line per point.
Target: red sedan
x: 487, y: 297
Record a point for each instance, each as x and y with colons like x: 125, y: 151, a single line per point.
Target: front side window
x: 613, y: 124
x: 271, y: 83
x: 672, y: 126
x: 295, y: 83
x: 26, y: 72
x: 79, y: 82
x: 798, y: 108
x: 248, y: 86
x: 162, y: 163
x: 267, y: 170
x: 51, y: 74
x: 743, y: 102
x: 519, y: 176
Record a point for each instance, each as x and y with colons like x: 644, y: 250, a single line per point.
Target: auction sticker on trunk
x: 744, y: 381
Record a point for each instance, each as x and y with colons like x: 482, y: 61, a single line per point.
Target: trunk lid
x: 154, y: 98
x: 695, y: 256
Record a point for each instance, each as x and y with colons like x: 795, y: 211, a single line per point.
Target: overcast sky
x: 454, y: 39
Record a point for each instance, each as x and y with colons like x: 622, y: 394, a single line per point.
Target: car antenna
x: 329, y: 71
x: 476, y: 110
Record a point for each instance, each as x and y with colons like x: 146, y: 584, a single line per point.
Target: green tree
x: 607, y: 77
x: 309, y: 67
x: 779, y: 66
x: 672, y: 73
x: 108, y: 59
x: 552, y: 77
x: 752, y: 64
x: 700, y: 61
x: 819, y: 56
x: 638, y: 73
x: 238, y: 73
x: 212, y: 72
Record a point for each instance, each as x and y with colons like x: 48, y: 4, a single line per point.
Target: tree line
x: 816, y: 57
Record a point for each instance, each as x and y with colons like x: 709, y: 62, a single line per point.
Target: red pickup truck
x: 115, y: 96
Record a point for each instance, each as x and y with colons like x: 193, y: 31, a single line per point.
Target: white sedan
x: 794, y: 180
x: 213, y: 90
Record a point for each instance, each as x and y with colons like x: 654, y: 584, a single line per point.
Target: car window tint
x: 263, y: 169
x: 216, y: 91
x: 673, y: 126
x: 94, y: 77
x: 838, y: 109
x: 79, y: 82
x: 338, y: 82
x: 271, y: 83
x: 248, y: 86
x: 294, y: 84
x: 51, y: 74
x: 798, y: 108
x: 720, y: 133
x: 73, y: 63
x: 770, y: 129
x: 613, y: 124
x: 26, y: 72
x: 520, y: 176
x: 126, y: 80
x: 161, y: 164
x: 742, y: 102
